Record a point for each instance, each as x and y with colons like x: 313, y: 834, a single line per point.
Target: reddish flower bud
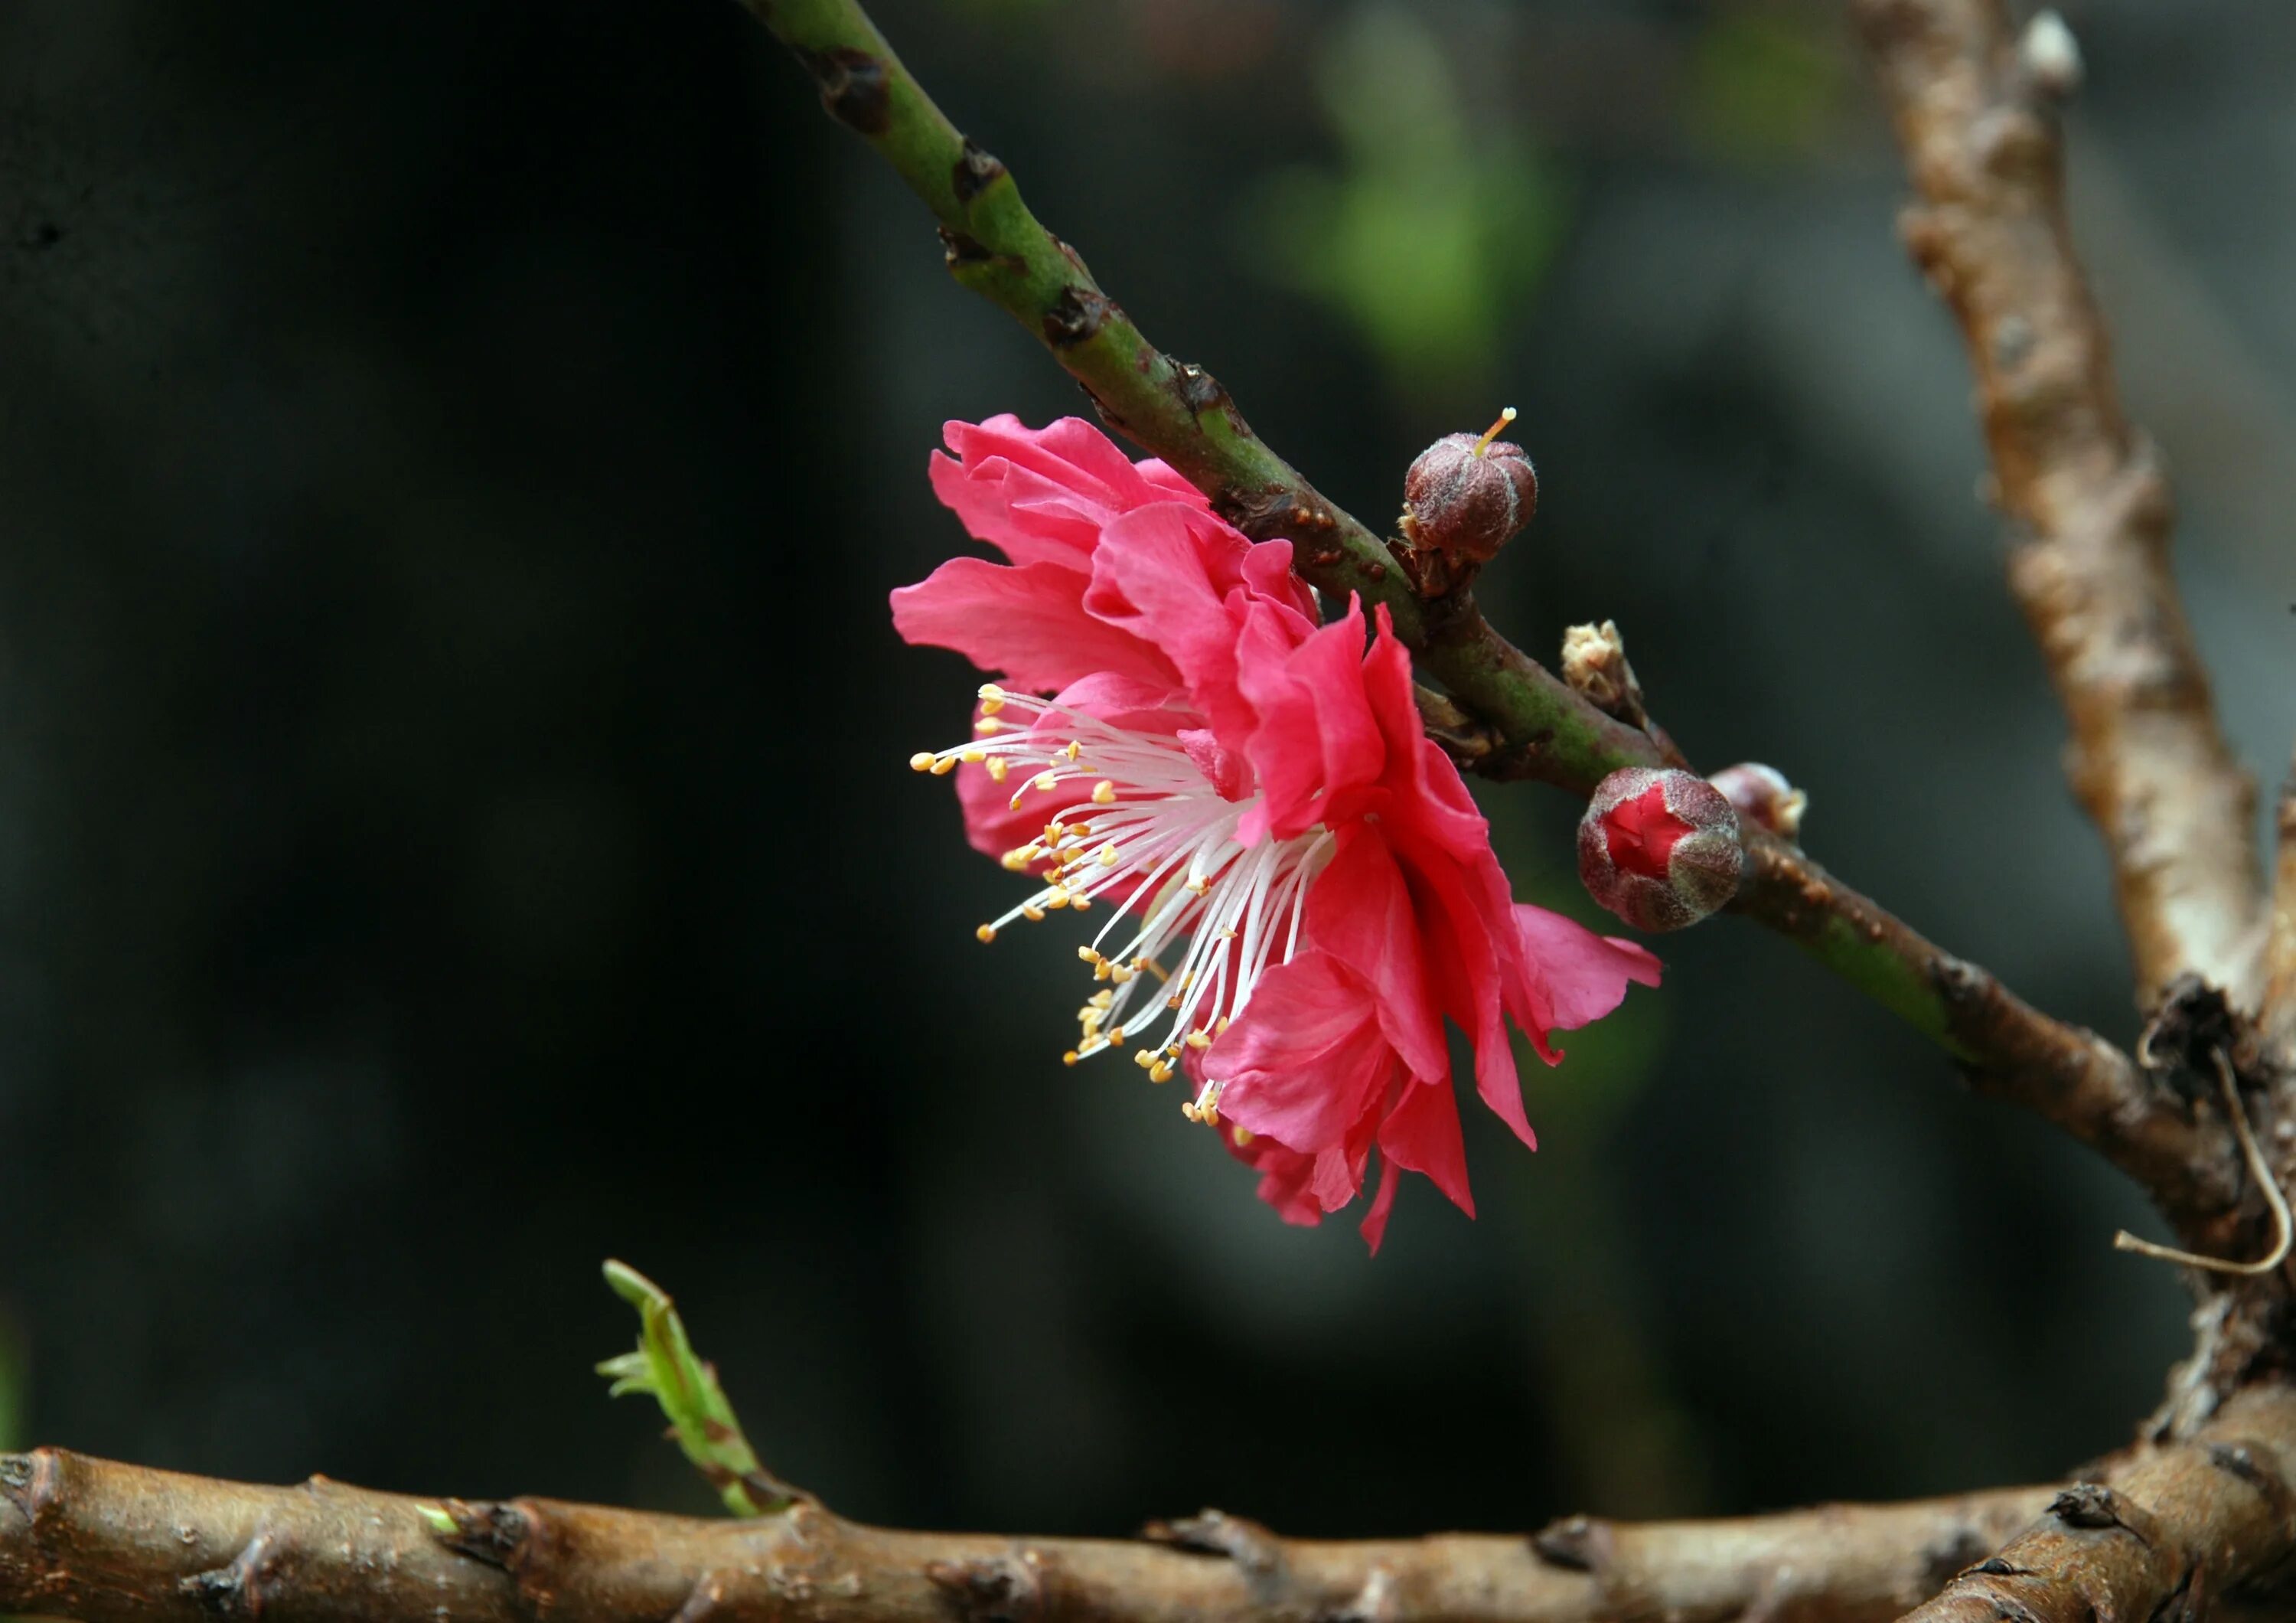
x: 1659, y: 849
x: 1763, y: 797
x: 1466, y: 496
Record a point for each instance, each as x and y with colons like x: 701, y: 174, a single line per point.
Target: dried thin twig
x: 116, y: 1544
x: 2274, y: 1200
x: 2080, y: 486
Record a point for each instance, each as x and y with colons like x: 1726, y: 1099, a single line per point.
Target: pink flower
x: 1293, y: 870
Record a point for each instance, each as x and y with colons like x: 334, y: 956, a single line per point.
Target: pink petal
x: 1374, y: 1224
x: 1317, y: 740
x: 1421, y: 1134
x: 1304, y: 1063
x: 1361, y: 914
x: 1577, y: 975
x: 1044, y: 494
x: 1028, y: 623
x: 1175, y: 575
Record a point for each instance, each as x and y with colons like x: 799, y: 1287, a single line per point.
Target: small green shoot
x: 666, y: 1366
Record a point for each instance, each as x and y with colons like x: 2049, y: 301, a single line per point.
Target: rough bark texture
x: 2176, y: 1530
x: 116, y: 1544
x: 2280, y: 950
x: 2081, y: 488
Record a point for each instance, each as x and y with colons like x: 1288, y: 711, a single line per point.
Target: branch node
x: 1211, y: 1532
x: 993, y: 1588
x: 854, y: 87
x: 1582, y: 1543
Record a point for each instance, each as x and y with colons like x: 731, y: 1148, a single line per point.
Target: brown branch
x: 2081, y: 487
x: 2009, y: 1049
x: 2177, y: 1529
x: 116, y: 1544
x: 2280, y: 946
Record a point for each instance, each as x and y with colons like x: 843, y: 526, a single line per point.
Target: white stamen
x: 1136, y: 823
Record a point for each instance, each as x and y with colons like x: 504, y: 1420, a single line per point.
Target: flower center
x: 1134, y: 821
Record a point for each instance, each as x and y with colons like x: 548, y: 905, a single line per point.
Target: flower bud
x: 1659, y: 849
x: 1762, y: 796
x: 1465, y: 496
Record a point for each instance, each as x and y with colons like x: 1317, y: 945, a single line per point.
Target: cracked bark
x: 118, y: 1543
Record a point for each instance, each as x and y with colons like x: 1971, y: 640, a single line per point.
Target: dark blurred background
x: 454, y: 818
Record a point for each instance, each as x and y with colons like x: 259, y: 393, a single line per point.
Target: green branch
x: 1520, y: 720
x: 999, y: 249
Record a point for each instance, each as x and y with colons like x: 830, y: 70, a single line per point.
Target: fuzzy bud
x: 1659, y: 849
x: 1762, y: 796
x: 1466, y: 495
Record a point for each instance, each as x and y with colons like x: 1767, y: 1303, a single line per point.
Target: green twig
x: 997, y: 248
x: 666, y: 1366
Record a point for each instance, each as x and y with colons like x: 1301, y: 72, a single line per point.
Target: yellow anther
x: 1116, y: 1038
x: 1056, y: 899
x: 987, y: 726
x: 989, y: 707
x: 1146, y: 1059
x: 1220, y: 1026
x: 1173, y: 1002
x: 1103, y: 793
x: 1073, y: 750
x: 1044, y: 780
x: 1083, y: 904
x: 1107, y: 856
x: 1017, y: 859
x: 1070, y: 1057
x: 1119, y: 973
x: 1161, y: 1071
x: 1032, y: 913
x: 1240, y: 1135
x: 989, y: 692
x: 1226, y: 932
x: 998, y: 768
x: 1201, y: 887
x: 1088, y: 955
x: 973, y: 757
x: 922, y: 762
x: 1101, y: 999
x: 944, y: 766
x: 1197, y: 1040
x: 986, y: 932
x: 1079, y: 829
x: 1188, y: 1109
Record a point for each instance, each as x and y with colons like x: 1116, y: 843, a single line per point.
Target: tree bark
x: 116, y: 1544
x: 2082, y: 488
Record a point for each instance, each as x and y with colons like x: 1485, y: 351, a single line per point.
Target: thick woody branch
x: 116, y: 1544
x: 1505, y: 715
x: 2176, y: 1532
x: 2082, y: 490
